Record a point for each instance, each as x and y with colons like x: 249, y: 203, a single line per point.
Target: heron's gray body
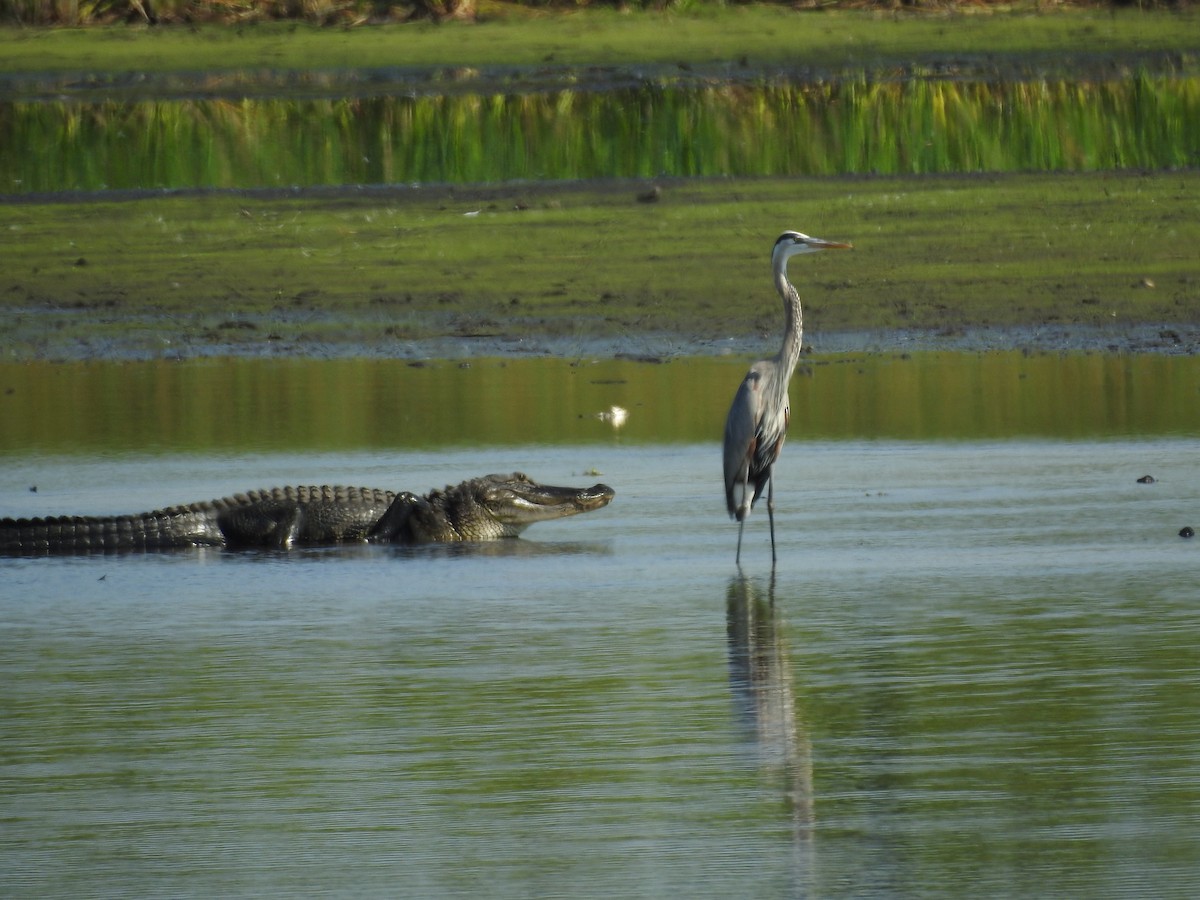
x: 760, y: 413
x: 478, y: 509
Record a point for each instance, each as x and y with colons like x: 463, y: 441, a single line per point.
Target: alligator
x: 478, y: 509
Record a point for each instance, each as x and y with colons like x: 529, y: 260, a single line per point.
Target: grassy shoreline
x: 489, y: 270
x: 535, y: 267
x: 751, y: 37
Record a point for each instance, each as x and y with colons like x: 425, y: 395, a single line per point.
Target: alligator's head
x: 483, y: 509
x: 505, y: 505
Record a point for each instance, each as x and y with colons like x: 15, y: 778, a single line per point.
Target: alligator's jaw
x: 508, y: 504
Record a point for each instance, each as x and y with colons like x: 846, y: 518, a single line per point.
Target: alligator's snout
x: 595, y: 497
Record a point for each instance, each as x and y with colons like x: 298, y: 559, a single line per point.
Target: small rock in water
x: 1146, y: 479
x: 1187, y: 531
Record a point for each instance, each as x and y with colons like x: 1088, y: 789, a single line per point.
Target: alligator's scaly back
x: 275, y: 517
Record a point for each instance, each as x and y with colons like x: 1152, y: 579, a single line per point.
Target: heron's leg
x: 771, y: 510
x: 743, y: 511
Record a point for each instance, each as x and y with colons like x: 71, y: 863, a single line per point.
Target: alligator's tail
x: 274, y: 517
x: 177, y: 526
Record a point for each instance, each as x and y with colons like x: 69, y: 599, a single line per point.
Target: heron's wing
x: 741, y: 427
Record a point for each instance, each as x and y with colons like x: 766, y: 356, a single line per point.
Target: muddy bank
x: 1166, y: 339
x: 405, y: 81
x: 1101, y: 262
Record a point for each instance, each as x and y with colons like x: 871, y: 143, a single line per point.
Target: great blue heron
x: 758, y: 418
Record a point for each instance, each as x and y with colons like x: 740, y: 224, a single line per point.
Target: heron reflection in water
x: 760, y: 678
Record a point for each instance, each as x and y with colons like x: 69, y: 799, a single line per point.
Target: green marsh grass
x: 920, y: 126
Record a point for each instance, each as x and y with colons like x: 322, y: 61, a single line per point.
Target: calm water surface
x: 975, y: 664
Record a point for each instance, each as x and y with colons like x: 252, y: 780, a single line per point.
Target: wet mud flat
x: 1099, y: 262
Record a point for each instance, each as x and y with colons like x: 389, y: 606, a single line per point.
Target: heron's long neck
x: 793, y: 331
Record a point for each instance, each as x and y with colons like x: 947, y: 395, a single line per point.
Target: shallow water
x: 223, y: 406
x: 974, y: 664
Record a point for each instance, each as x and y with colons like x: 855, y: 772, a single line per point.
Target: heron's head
x: 793, y: 243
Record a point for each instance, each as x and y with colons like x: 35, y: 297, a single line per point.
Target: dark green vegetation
x: 653, y: 128
x: 379, y: 270
x: 353, y: 13
x: 738, y: 37
x: 359, y: 12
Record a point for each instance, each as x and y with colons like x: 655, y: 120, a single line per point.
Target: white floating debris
x: 615, y: 415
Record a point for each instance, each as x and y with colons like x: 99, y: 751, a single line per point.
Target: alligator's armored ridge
x: 478, y: 509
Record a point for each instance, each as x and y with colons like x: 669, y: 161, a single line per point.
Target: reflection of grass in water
x: 299, y: 405
x: 843, y: 127
x: 942, y: 253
